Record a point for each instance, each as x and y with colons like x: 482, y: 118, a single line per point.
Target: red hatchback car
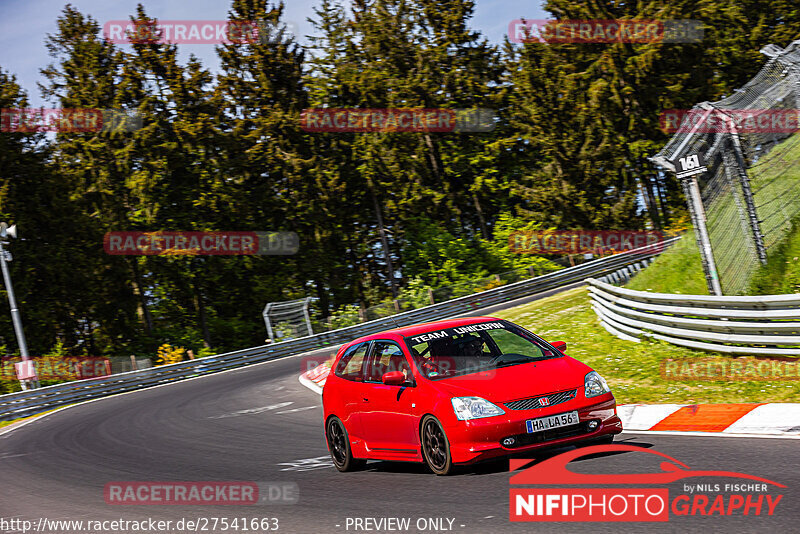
x: 459, y: 391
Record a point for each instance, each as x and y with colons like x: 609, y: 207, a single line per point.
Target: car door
x: 351, y: 367
x: 389, y: 416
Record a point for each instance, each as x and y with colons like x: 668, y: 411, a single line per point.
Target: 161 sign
x: 689, y: 165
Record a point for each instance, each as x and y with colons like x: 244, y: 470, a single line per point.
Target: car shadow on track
x: 550, y: 453
x: 500, y: 465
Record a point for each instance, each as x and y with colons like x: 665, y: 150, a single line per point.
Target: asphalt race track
x: 260, y: 424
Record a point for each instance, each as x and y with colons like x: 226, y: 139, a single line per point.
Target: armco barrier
x: 21, y: 404
x: 757, y: 325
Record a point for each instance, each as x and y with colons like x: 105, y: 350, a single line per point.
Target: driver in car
x: 440, y: 357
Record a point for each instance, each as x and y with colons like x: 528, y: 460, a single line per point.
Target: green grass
x: 774, y: 180
x: 782, y: 272
x: 678, y: 270
x: 633, y: 369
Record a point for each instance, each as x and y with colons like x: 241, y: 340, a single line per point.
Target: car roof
x: 412, y: 330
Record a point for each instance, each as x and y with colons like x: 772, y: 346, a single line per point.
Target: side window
x: 387, y: 356
x: 351, y: 362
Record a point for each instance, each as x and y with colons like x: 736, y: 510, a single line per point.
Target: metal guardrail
x: 623, y: 276
x: 757, y: 325
x: 24, y: 403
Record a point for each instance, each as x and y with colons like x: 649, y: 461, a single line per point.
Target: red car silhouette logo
x: 553, y: 471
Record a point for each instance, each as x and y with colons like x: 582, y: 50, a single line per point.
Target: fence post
x: 744, y: 181
x: 728, y: 166
x: 698, y: 214
x: 430, y: 296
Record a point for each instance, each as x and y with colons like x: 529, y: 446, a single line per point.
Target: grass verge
x: 677, y: 270
x: 633, y: 369
x: 781, y: 274
x: 21, y: 419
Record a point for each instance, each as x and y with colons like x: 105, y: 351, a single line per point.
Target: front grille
x: 522, y: 440
x: 533, y: 402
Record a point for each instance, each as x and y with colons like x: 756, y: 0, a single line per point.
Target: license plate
x: 551, y: 421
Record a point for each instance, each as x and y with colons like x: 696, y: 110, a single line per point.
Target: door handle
x: 365, y: 399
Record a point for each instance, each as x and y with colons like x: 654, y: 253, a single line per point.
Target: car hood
x: 518, y: 381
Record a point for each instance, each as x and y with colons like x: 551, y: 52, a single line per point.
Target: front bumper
x: 481, y: 439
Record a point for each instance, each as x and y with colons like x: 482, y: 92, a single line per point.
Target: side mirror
x: 393, y: 378
x: 560, y: 345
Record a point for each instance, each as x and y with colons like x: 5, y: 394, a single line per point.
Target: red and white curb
x: 766, y: 419
x: 734, y: 420
x: 315, y: 378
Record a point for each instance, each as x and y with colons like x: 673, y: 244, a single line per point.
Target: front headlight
x: 595, y: 385
x: 467, y: 408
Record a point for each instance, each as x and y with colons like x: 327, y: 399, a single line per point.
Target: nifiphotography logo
x: 553, y: 503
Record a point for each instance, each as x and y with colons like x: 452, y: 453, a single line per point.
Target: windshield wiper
x: 513, y: 362
x: 526, y: 360
x: 539, y: 358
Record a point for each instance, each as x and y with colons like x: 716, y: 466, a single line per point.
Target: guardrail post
x: 307, y: 317
x: 268, y: 322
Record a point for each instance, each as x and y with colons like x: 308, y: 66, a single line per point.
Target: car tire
x: 339, y: 446
x: 435, y: 446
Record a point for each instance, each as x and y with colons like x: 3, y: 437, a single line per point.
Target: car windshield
x: 462, y: 350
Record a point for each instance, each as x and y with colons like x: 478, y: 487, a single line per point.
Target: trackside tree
x: 737, y: 159
x: 383, y: 218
